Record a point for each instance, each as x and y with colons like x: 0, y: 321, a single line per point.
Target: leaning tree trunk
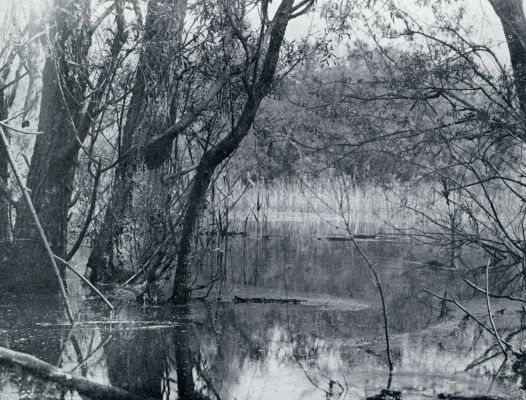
x: 53, y: 164
x: 212, y: 158
x: 149, y: 113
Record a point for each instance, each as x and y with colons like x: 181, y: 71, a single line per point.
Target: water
x: 313, y: 350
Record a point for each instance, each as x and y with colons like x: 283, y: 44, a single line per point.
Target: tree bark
x: 149, y: 113
x: 513, y: 20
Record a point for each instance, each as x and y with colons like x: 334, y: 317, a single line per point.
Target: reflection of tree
x: 185, y: 363
x: 158, y: 362
x: 135, y: 361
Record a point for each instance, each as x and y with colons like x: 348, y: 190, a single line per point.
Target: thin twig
x: 370, y: 265
x: 382, y: 297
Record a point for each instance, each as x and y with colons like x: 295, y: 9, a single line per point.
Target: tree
x: 231, y: 63
x: 150, y: 110
x: 67, y: 112
x: 257, y: 79
x: 13, y: 62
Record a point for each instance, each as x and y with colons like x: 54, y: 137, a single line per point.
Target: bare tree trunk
x: 148, y: 114
x: 5, y: 228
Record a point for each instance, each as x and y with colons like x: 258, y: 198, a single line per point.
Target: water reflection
x: 253, y: 351
x: 224, y: 350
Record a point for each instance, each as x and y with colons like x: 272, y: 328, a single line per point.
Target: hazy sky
x: 479, y: 14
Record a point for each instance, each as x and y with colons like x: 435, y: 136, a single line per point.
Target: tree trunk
x: 149, y: 113
x: 513, y: 20
x: 5, y: 229
x: 212, y: 158
x: 52, y: 169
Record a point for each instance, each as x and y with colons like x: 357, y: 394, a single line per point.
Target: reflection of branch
x: 344, y: 215
x: 486, y: 356
x: 80, y: 358
x: 484, y: 326
x: 89, y: 355
x: 495, y: 296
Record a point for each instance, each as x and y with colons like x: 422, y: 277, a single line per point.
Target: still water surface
x: 230, y: 350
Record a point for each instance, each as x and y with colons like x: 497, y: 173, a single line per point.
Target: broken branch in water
x: 83, y: 386
x: 85, y: 280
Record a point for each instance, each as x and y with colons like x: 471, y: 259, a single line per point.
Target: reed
x: 322, y: 200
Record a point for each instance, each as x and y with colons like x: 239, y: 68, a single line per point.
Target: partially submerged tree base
x: 23, y: 271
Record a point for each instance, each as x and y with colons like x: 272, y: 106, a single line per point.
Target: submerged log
x: 265, y: 300
x: 460, y: 397
x: 345, y: 238
x: 83, y: 386
x: 387, y: 394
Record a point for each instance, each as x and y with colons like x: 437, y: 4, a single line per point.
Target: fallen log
x: 43, y: 370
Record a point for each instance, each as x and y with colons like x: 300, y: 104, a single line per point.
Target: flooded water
x: 235, y: 350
